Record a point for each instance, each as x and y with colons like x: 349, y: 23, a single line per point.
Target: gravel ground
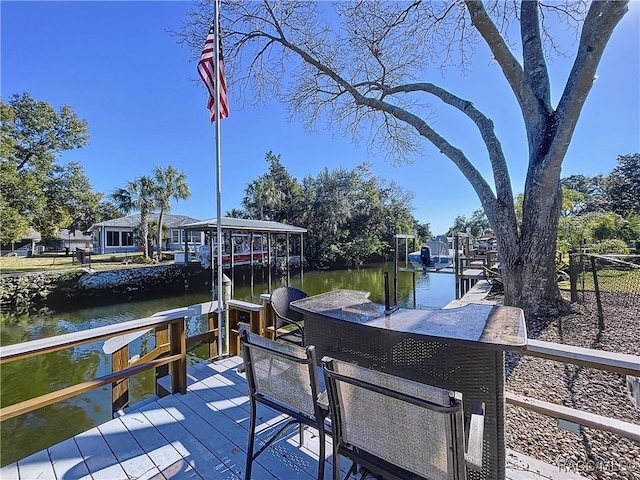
x: 590, y: 453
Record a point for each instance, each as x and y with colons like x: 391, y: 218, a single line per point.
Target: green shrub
x: 609, y: 246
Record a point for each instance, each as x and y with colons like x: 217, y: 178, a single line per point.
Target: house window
x: 113, y: 239
x: 127, y: 239
x: 194, y: 237
x: 175, y: 236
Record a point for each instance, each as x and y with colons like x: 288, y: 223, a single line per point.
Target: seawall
x: 70, y: 289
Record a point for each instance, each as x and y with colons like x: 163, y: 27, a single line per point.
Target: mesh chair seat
x: 288, y: 323
x: 283, y: 377
x: 395, y: 427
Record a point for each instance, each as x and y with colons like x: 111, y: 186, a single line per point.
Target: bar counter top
x: 489, y: 326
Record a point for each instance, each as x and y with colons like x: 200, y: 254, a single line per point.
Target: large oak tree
x: 372, y: 67
x: 35, y: 189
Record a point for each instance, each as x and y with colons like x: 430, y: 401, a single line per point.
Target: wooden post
x: 120, y: 388
x: 269, y: 260
x: 287, y: 258
x: 233, y: 330
x: 213, y: 343
x: 178, y: 341
x: 573, y: 276
x: 268, y: 318
x: 596, y: 288
x: 302, y: 261
x: 162, y: 338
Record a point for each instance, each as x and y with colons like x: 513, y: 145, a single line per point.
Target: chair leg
x: 301, y: 439
x: 321, y: 454
x: 252, y: 433
x: 336, y: 462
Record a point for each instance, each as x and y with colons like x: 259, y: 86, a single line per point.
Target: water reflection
x: 29, y: 378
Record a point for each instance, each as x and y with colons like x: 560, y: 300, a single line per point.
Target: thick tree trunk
x: 529, y: 275
x: 528, y: 258
x: 159, y: 247
x: 144, y: 225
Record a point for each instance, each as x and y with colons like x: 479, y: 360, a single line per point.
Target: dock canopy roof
x: 244, y: 224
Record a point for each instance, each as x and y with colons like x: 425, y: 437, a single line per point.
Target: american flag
x: 206, y: 68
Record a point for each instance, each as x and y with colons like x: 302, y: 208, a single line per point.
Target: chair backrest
x: 281, y: 298
x: 410, y: 425
x: 281, y: 374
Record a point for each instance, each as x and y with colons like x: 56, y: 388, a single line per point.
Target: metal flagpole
x: 222, y: 330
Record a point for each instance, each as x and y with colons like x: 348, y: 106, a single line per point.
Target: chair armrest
x: 473, y: 455
x: 295, y: 324
x: 323, y: 401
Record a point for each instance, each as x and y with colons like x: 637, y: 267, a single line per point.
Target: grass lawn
x: 610, y: 280
x: 60, y: 261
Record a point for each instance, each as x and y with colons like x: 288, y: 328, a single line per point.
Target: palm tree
x: 139, y: 195
x: 170, y: 184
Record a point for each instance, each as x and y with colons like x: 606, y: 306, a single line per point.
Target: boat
x: 433, y: 255
x: 242, y: 254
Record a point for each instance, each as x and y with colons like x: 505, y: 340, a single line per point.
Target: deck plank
x: 67, y: 460
x: 206, y: 465
x: 232, y: 429
x: 10, y: 472
x: 217, y: 434
x: 37, y: 465
x: 162, y: 453
x: 100, y: 461
x: 135, y: 462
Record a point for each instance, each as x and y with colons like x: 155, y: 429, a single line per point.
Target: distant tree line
x: 595, y: 210
x: 602, y: 208
x: 351, y: 215
x: 35, y: 189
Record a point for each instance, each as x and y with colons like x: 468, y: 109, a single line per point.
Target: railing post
x: 162, y: 338
x: 178, y: 341
x: 268, y: 319
x: 573, y: 276
x: 120, y: 388
x: 213, y: 343
x: 596, y: 288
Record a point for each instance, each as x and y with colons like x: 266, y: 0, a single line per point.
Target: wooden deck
x: 199, y: 435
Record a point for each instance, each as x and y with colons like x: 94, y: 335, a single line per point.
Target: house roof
x: 33, y: 234
x: 132, y: 221
x: 244, y: 224
x: 65, y: 234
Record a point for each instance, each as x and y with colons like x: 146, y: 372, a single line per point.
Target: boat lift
x: 465, y: 275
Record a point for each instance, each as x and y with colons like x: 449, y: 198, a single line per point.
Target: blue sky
x: 119, y: 69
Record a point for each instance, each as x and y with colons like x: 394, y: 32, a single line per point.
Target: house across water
x: 120, y: 235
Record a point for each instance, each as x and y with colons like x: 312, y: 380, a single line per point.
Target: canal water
x: 32, y: 377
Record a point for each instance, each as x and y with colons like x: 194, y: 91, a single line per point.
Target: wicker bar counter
x: 460, y: 349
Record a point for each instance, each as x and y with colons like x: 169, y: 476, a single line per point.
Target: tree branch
x: 484, y: 124
x: 601, y: 20
x: 535, y: 67
x: 508, y: 63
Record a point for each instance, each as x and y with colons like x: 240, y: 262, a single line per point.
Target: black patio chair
x: 397, y: 428
x: 288, y: 323
x: 285, y: 378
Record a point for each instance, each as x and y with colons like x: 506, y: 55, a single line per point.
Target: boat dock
x: 467, y: 264
x: 200, y: 435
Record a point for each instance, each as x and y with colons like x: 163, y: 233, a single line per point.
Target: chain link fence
x: 609, y: 282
